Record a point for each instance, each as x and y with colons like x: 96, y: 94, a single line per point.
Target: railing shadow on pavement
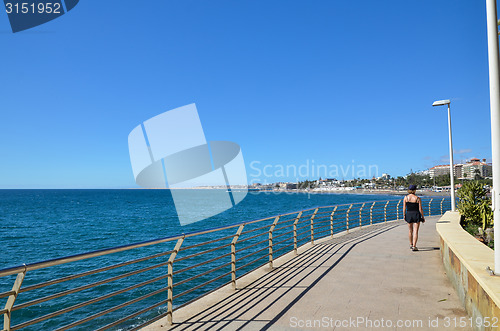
x: 263, y: 290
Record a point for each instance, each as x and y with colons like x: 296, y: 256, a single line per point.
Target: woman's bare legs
x: 410, y: 233
x: 415, y: 227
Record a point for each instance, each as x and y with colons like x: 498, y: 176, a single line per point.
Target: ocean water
x: 37, y: 225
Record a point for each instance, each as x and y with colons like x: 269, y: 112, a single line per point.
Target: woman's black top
x: 412, y: 206
x: 412, y: 212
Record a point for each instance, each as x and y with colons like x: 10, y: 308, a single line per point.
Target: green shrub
x: 475, y: 206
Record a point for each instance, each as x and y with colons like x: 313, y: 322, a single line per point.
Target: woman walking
x: 413, y: 215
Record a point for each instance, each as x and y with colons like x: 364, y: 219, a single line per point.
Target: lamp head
x: 441, y: 103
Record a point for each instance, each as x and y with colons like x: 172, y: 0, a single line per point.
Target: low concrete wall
x: 465, y: 260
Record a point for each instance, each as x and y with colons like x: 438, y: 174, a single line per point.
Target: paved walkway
x: 368, y: 279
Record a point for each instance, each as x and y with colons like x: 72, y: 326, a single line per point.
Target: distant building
x: 475, y: 166
x: 424, y: 172
x: 459, y: 170
x: 439, y: 170
x: 288, y: 186
x: 463, y: 171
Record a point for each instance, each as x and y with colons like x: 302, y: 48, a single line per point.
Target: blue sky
x: 335, y: 82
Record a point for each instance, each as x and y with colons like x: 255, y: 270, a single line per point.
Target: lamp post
x: 452, y: 180
x: 493, y: 58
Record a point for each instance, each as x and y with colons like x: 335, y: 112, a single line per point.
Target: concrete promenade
x: 368, y: 279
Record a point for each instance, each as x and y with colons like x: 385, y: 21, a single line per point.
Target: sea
x: 39, y: 225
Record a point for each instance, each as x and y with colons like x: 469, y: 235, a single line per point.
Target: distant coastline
x: 316, y: 191
x: 363, y: 192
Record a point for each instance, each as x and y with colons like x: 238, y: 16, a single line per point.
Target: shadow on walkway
x: 263, y: 302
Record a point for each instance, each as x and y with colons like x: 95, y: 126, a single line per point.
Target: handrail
x: 201, y: 261
x: 106, y: 251
x: 78, y: 257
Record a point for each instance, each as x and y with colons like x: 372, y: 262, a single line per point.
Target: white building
x: 463, y: 171
x: 475, y: 166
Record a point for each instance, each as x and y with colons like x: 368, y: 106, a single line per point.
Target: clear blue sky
x: 337, y: 82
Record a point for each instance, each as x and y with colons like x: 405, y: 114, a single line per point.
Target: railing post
x: 299, y: 215
x: 271, y: 229
x: 442, y: 206
x: 371, y: 215
x: 360, y: 210
x: 331, y: 221
x: 347, y: 219
x: 430, y: 206
x: 312, y: 225
x: 170, y: 284
x: 12, y: 298
x: 385, y: 211
x: 397, y: 210
x: 233, y: 255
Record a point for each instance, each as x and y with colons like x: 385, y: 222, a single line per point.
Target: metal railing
x: 131, y: 286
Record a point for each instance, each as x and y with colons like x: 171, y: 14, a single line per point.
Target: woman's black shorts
x: 413, y: 217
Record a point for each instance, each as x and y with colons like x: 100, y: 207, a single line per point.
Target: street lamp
x: 452, y: 181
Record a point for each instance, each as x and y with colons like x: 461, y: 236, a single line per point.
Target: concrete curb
x: 465, y: 260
